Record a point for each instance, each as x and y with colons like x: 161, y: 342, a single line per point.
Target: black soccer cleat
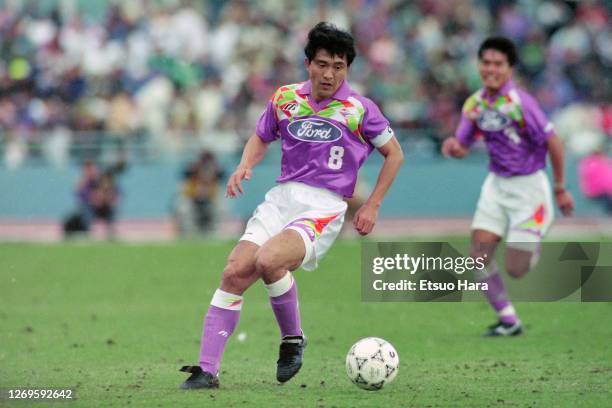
x: 501, y: 329
x: 290, y: 356
x: 199, y: 379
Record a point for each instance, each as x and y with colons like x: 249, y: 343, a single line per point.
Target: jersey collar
x: 342, y: 93
x: 502, y: 91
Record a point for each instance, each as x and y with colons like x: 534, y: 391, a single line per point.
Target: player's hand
x: 453, y: 148
x: 234, y: 184
x: 365, y: 218
x: 565, y: 202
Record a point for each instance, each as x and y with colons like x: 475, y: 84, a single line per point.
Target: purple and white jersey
x: 324, y: 144
x: 514, y: 128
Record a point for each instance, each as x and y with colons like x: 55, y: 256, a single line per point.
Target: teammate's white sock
x: 507, y: 311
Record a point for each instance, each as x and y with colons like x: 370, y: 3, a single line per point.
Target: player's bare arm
x: 254, y: 151
x: 452, y: 147
x: 365, y: 217
x: 564, y: 198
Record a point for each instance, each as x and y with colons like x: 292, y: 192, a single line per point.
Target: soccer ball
x: 371, y: 363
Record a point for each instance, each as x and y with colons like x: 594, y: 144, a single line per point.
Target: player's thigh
x: 240, y: 272
x: 283, y: 252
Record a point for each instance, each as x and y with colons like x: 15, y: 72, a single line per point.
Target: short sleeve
x: 466, y: 130
x: 539, y: 128
x: 375, y: 127
x: 267, y: 125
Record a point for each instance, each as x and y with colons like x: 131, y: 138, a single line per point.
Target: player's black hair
x: 330, y: 38
x: 501, y: 44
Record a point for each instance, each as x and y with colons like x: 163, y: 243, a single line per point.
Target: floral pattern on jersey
x: 508, y: 105
x: 289, y: 104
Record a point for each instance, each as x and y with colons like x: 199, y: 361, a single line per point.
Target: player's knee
x: 474, y: 254
x: 482, y: 251
x: 236, y: 275
x: 482, y: 255
x: 520, y: 260
x: 517, y: 271
x: 271, y: 265
x: 265, y: 261
x: 483, y: 245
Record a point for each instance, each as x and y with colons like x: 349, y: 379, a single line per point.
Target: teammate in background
x: 327, y: 131
x: 515, y: 200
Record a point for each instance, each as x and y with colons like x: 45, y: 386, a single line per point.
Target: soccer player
x: 515, y: 200
x: 327, y: 130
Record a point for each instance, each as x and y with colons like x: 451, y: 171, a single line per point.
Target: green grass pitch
x: 117, y: 321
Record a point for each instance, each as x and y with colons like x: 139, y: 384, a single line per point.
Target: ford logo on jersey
x: 491, y: 120
x: 314, y: 130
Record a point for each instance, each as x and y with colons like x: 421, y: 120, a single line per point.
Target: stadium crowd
x: 174, y: 71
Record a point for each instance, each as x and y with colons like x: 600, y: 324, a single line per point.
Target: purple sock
x: 286, y: 307
x: 219, y: 324
x: 498, y: 298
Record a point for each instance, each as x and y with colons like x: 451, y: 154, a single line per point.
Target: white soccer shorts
x: 315, y: 213
x: 519, y: 207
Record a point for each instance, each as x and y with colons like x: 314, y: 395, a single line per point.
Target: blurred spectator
x: 97, y: 197
x: 195, y: 205
x: 104, y: 201
x: 185, y: 72
x: 86, y: 185
x: 582, y: 128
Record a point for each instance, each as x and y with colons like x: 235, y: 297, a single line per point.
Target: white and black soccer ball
x: 371, y: 363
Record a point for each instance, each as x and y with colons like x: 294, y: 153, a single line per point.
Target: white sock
x: 281, y: 286
x: 225, y: 300
x: 507, y: 311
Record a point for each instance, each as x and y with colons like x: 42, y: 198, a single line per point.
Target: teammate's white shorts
x: 315, y: 213
x: 519, y: 207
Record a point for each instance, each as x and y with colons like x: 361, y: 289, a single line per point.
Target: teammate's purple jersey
x: 324, y: 144
x: 514, y: 128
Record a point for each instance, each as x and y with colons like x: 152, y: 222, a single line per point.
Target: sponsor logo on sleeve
x: 383, y: 137
x: 388, y: 132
